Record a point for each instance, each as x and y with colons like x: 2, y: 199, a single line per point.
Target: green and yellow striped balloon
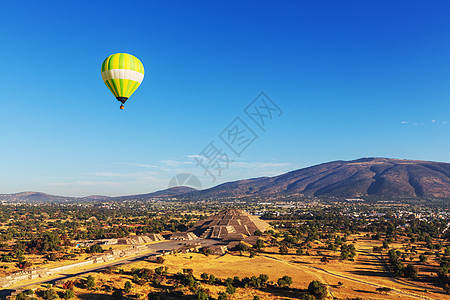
x: 122, y: 74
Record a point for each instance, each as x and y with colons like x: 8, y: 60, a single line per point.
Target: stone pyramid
x: 230, y: 224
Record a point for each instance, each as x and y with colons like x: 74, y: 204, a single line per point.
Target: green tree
x: 118, y: 294
x: 49, y: 294
x: 411, y: 271
x: 95, y: 249
x: 212, y: 279
x: 264, y: 279
x: 242, y: 247
x: 317, y: 289
x: 222, y: 296
x: 21, y: 296
x: 202, y: 295
x: 423, y: 257
x: 68, y: 294
x: 284, y: 281
x: 231, y: 289
x: 284, y: 249
x: 90, y: 282
x: 159, y: 270
x: 127, y: 287
x: 6, y: 258
x: 259, y: 244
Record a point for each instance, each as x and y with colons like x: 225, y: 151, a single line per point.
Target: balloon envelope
x: 122, y: 74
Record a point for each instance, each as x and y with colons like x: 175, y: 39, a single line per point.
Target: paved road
x: 157, y: 248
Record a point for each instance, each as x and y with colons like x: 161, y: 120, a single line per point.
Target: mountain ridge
x: 369, y: 176
x: 383, y: 177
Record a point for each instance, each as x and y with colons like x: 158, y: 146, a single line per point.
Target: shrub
x: 384, y: 290
x: 24, y: 264
x: 68, y: 285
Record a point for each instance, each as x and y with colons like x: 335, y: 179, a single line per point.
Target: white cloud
x: 146, y: 166
x: 260, y: 165
x: 84, y: 183
x: 125, y: 174
x: 136, y: 165
x: 174, y: 163
x: 144, y: 177
x: 196, y: 156
x: 433, y: 121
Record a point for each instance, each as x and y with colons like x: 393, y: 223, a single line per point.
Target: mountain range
x: 357, y: 178
x: 382, y: 177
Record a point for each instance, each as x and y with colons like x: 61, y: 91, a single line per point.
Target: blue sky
x: 352, y: 78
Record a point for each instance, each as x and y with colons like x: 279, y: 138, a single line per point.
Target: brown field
x: 359, y: 278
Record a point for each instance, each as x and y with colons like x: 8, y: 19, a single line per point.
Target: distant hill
x: 167, y: 193
x: 34, y: 197
x: 384, y: 177
x: 366, y: 176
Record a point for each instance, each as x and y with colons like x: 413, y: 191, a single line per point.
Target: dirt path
x: 387, y: 269
x: 304, y: 268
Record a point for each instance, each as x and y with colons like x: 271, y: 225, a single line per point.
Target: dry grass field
x: 345, y: 279
x: 358, y: 278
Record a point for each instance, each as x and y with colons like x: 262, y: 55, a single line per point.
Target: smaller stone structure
x: 183, y: 236
x: 140, y: 239
x: 44, y: 272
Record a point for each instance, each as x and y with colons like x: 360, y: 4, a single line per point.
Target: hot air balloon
x: 122, y: 74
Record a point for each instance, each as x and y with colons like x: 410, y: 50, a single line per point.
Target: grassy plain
x: 345, y: 279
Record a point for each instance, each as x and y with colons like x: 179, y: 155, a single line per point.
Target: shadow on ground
x: 153, y: 296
